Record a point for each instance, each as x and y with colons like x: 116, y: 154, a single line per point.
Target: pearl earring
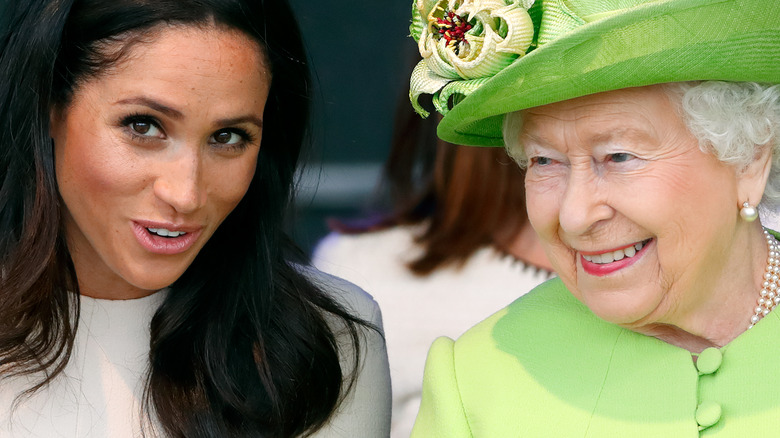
x: 748, y: 212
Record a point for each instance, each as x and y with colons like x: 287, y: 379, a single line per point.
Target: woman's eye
x: 142, y: 127
x: 620, y: 157
x: 227, y: 137
x: 145, y: 128
x: 231, y: 139
x: 541, y: 161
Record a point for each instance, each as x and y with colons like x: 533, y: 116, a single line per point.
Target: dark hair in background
x: 240, y: 346
x: 464, y: 197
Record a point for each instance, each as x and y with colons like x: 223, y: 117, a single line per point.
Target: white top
x: 417, y: 310
x: 99, y: 393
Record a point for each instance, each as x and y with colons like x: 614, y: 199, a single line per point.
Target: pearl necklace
x: 770, y: 291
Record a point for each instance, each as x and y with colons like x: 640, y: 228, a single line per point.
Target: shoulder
x: 365, y: 410
x: 547, y: 352
x: 548, y: 328
x: 548, y: 312
x: 546, y: 324
x: 515, y: 365
x: 544, y: 307
x: 357, y: 301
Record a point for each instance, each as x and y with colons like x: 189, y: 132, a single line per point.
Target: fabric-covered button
x: 707, y: 414
x: 709, y: 360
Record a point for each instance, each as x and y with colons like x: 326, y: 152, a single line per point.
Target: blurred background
x: 361, y: 57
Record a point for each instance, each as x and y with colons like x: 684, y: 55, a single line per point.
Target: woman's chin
x: 153, y: 275
x: 155, y: 284
x: 623, y: 308
x: 137, y: 286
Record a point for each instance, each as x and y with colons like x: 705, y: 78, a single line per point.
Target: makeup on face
x: 602, y: 263
x: 152, y: 158
x: 621, y: 196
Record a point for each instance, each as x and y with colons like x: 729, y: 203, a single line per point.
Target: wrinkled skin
x: 619, y: 168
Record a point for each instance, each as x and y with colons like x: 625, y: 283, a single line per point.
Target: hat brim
x: 658, y: 42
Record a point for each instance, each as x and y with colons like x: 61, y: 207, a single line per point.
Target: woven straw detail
x: 655, y: 42
x: 557, y: 19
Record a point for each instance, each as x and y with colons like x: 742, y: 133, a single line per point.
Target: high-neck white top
x: 99, y: 394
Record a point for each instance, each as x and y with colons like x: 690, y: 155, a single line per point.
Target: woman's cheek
x: 230, y: 183
x: 542, y: 195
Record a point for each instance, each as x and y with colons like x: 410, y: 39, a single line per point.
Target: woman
x: 643, y: 187
x: 456, y: 243
x: 145, y: 287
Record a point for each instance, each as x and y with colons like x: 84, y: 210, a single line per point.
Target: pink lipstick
x: 602, y: 269
x: 181, y: 238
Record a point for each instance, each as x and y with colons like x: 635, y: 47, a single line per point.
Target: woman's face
x: 639, y: 223
x: 153, y: 155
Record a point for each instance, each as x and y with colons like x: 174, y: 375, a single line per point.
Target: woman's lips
x: 607, y: 262
x: 175, y: 243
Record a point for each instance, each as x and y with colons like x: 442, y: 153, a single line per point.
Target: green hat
x: 580, y: 47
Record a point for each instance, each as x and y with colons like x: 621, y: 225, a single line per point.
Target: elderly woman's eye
x: 619, y: 157
x: 541, y: 161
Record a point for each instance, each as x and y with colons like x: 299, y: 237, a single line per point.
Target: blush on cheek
x: 542, y: 213
x: 93, y: 172
x: 90, y: 176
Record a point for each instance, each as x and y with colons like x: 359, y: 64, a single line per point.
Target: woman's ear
x: 753, y: 177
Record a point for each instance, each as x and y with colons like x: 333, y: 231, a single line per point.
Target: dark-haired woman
x: 456, y: 243
x: 147, y: 165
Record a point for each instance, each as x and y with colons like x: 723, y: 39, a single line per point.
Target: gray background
x: 361, y: 56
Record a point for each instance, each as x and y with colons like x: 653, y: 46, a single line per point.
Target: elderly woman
x: 643, y: 187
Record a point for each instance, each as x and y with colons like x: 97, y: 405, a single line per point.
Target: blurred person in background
x: 454, y: 244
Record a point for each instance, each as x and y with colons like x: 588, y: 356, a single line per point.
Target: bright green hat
x: 579, y: 47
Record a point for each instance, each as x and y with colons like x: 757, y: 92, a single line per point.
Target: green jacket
x: 547, y: 367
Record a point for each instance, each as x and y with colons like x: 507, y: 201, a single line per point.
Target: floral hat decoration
x: 485, y: 58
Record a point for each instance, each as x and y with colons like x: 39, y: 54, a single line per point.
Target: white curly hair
x: 732, y: 120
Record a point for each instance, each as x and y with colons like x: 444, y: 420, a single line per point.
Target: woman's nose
x: 180, y: 183
x: 583, y: 204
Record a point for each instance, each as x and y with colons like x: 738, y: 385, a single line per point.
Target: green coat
x: 547, y: 367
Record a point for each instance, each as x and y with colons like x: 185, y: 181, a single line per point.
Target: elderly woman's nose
x: 180, y: 183
x: 582, y: 204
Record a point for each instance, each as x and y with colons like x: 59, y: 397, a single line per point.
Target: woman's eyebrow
x: 176, y: 114
x: 241, y: 119
x: 534, y: 138
x: 153, y: 104
x: 631, y: 134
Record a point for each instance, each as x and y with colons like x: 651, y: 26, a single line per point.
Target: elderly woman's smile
x: 637, y: 220
x: 647, y: 160
x: 606, y: 262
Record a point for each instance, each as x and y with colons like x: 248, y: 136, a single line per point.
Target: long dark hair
x: 240, y: 346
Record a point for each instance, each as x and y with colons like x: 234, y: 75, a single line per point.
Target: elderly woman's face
x: 152, y: 157
x: 638, y: 222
